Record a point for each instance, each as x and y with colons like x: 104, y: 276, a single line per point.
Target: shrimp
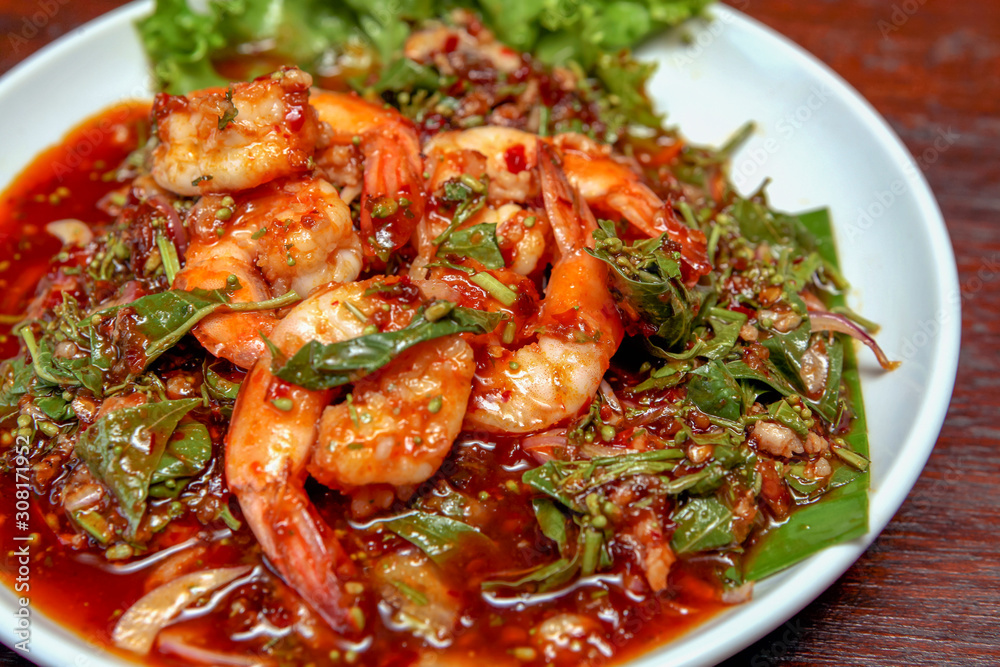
x: 452, y: 48
x: 218, y: 140
x: 401, y: 421
x: 377, y: 149
x: 287, y: 235
x: 552, y: 378
x: 272, y: 442
x: 506, y: 159
x: 611, y: 186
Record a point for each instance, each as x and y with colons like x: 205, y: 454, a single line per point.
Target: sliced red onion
x: 176, y: 228
x: 542, y: 446
x: 826, y: 321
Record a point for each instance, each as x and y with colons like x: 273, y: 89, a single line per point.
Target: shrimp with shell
x: 542, y: 382
x: 373, y: 151
x: 288, y: 235
x: 394, y: 428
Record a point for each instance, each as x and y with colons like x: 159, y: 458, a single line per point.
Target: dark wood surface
x: 928, y: 590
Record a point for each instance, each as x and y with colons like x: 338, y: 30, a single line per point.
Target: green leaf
x: 15, y: 376
x: 178, y: 42
x: 478, y: 242
x: 217, y: 386
x: 552, y: 522
x: 94, y: 523
x: 566, y: 480
x: 548, y: 577
x: 123, y: 450
x: 702, y: 524
x: 405, y: 74
x: 646, y: 283
x: 786, y: 351
x: 758, y: 223
x: 320, y: 366
x: 187, y: 453
x: 769, y: 374
x: 714, y: 391
x: 55, y: 407
x: 726, y: 325
x: 839, y: 516
x: 469, y: 203
x: 783, y: 413
x: 441, y: 538
x: 144, y: 329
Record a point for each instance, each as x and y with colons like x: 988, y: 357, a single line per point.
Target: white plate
x: 822, y: 144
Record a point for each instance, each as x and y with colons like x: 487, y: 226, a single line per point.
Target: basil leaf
x: 783, y: 413
x: 470, y: 204
x: 140, y: 331
x: 552, y: 522
x: 187, y: 453
x: 15, y: 375
x: 829, y: 403
x: 94, y: 523
x: 786, y: 350
x: 705, y: 481
x: 124, y: 448
x: 646, y: 283
x: 55, y: 407
x: 319, y: 366
x: 714, y: 391
x: 702, y: 524
x: 726, y: 325
x: 478, y: 242
x: 441, y: 538
x: 217, y: 386
x: 549, y: 576
x: 769, y: 374
x: 566, y: 480
x: 60, y: 372
x: 758, y: 223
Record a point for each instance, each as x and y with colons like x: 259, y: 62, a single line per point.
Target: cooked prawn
x: 441, y: 45
x: 287, y: 235
x: 552, y: 378
x: 401, y: 421
x: 271, y: 444
x: 378, y: 150
x: 506, y: 159
x: 219, y: 140
x: 613, y: 187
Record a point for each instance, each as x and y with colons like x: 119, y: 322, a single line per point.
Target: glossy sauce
x: 84, y: 592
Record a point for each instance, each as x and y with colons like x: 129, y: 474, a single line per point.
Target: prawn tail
x: 694, y: 253
x: 393, y: 197
x: 571, y: 218
x: 310, y: 559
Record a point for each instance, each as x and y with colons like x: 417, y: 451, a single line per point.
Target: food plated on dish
x: 474, y: 362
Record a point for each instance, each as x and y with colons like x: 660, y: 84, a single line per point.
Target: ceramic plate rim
x: 56, y: 646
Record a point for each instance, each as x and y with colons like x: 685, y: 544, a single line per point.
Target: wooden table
x: 928, y: 590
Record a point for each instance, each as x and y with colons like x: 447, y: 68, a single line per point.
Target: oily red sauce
x: 84, y: 592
